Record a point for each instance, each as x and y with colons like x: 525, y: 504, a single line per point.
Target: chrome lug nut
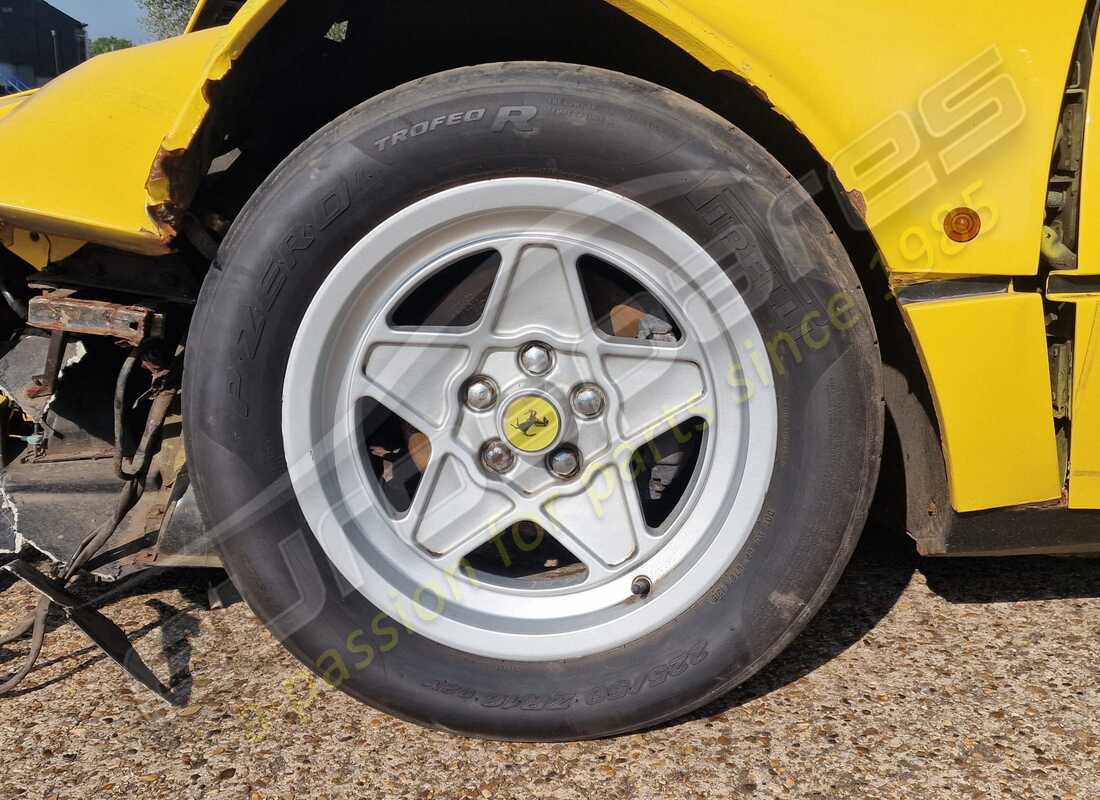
x: 481, y: 394
x: 564, y: 463
x: 536, y: 359
x: 588, y: 401
x: 497, y: 456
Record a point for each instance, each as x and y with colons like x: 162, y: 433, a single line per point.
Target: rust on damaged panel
x: 61, y: 312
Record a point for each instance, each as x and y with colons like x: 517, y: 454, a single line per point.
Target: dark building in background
x: 37, y: 43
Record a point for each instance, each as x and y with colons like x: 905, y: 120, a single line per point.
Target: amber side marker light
x: 962, y: 225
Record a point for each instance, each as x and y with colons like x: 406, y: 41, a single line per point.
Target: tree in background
x: 106, y: 44
x: 166, y: 18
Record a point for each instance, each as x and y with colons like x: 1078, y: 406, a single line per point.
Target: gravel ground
x: 920, y: 678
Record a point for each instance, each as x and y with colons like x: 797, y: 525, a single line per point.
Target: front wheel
x: 533, y: 401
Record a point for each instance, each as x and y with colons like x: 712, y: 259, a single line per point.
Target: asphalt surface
x: 920, y: 678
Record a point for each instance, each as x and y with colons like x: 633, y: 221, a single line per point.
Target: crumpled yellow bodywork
x: 858, y: 78
x: 78, y: 152
x: 920, y: 109
x: 81, y: 154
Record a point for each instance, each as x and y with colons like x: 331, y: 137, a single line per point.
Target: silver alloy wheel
x: 411, y: 564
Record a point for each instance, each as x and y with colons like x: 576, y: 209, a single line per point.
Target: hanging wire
x: 131, y: 470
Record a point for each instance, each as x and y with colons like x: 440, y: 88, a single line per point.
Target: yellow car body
x: 919, y: 111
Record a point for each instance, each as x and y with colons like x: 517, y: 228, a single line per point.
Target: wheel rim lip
x: 308, y: 387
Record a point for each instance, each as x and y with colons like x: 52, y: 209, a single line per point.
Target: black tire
x: 600, y: 128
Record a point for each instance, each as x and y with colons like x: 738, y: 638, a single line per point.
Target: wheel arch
x: 665, y: 43
x: 665, y: 51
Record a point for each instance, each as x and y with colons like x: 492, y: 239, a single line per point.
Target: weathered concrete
x: 920, y: 678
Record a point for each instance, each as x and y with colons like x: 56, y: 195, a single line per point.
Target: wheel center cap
x: 531, y: 423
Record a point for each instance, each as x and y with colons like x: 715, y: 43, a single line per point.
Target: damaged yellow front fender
x: 84, y: 157
x: 78, y: 153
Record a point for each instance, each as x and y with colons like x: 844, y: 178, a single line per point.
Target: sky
x: 106, y: 17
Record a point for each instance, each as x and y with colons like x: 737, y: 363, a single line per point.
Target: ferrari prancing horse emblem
x: 531, y: 423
